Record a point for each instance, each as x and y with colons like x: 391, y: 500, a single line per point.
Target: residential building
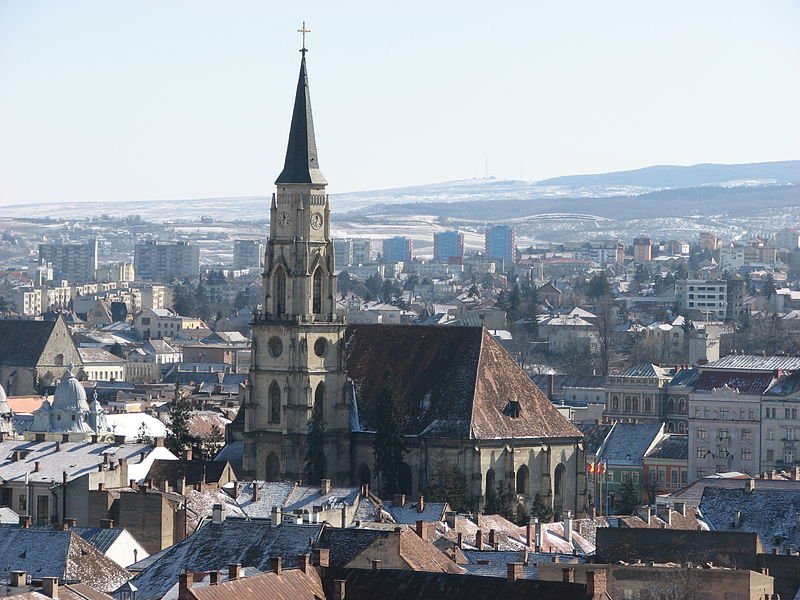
x: 567, y: 333
x: 500, y: 244
x: 666, y: 465
x: 164, y: 261
x: 788, y: 238
x: 639, y: 393
x: 362, y: 251
x: 248, y: 254
x: 602, y: 252
x: 343, y: 252
x: 448, y: 247
x: 780, y: 424
x: 642, y: 250
x: 398, y: 249
x: 706, y: 298
x: 101, y: 365
x: 157, y: 323
x: 73, y: 261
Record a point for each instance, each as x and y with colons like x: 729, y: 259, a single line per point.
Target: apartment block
x: 72, y: 261
x: 165, y: 261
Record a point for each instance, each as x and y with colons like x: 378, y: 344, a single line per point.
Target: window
x: 662, y: 474
x: 274, y: 402
x: 684, y: 476
x: 627, y: 404
x: 615, y: 403
x: 635, y: 477
x: 23, y: 504
x: 747, y: 434
x: 317, y: 301
x: 681, y: 427
x: 701, y: 452
x: 522, y: 480
x: 786, y: 413
x: 145, y: 320
x: 636, y: 404
x: 790, y: 433
x: 788, y: 455
x: 648, y: 404
x: 770, y: 455
x: 674, y: 478
x: 702, y: 433
x: 747, y: 454
x: 770, y: 435
x: 723, y: 434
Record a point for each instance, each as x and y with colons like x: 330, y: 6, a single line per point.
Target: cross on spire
x: 304, y: 31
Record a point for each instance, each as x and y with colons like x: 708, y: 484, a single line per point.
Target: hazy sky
x: 164, y: 99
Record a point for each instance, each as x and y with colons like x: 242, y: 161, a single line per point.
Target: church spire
x: 301, y: 165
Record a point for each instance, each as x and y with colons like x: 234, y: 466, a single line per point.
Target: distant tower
x: 297, y: 359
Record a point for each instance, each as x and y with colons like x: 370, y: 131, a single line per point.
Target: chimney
x: 568, y: 574
x: 36, y: 467
x: 524, y: 555
x: 375, y: 563
x: 276, y: 516
x: 737, y: 519
x: 421, y: 504
x: 338, y: 589
x: 568, y: 526
x: 158, y: 442
x: 119, y: 440
x: 234, y: 571
x: 18, y: 578
x: 399, y: 500
x: 100, y: 485
x: 214, y: 577
x: 450, y: 518
x: 325, y: 486
x: 538, y: 533
x: 513, y: 572
x: 459, y: 539
x: 321, y: 557
x: 528, y: 532
x: 187, y: 454
x: 275, y: 564
x: 25, y: 521
x: 255, y: 491
x: 344, y: 516
x: 797, y: 520
x: 749, y: 485
x: 216, y: 514
x: 70, y: 523
x: 94, y: 438
x: 551, y: 385
x: 795, y: 473
x: 479, y: 539
x: 106, y: 523
x: 304, y: 562
x: 50, y: 587
x: 680, y: 507
x: 644, y: 513
x: 184, y: 584
x: 596, y: 584
x: 58, y: 446
x: 492, y: 538
x: 423, y: 530
x: 665, y: 514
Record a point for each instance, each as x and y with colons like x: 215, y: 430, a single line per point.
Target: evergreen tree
x: 316, y: 464
x: 240, y: 301
x: 179, y: 438
x: 389, y: 445
x: 598, y: 286
x: 501, y: 501
x: 449, y: 484
x: 143, y: 435
x: 541, y: 510
x: 769, y: 286
x: 626, y: 499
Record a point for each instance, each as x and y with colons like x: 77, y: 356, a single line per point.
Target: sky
x: 169, y: 99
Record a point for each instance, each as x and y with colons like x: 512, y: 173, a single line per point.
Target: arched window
x: 273, y: 467
x: 670, y: 427
x: 59, y: 360
x: 319, y: 399
x: 558, y: 480
x: 627, y: 404
x: 671, y: 404
x: 681, y: 428
x: 490, y: 485
x: 615, y: 403
x: 648, y: 404
x: 279, y: 294
x: 274, y: 402
x: 317, y: 308
x: 522, y: 479
x: 682, y: 405
x: 636, y: 404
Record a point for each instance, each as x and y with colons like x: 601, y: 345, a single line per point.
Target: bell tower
x: 296, y: 373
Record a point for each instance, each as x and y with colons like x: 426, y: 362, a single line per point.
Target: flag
x: 590, y: 467
x: 602, y: 468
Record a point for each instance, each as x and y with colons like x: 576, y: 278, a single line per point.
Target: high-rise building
x: 642, y: 249
x: 362, y: 251
x: 74, y: 262
x: 501, y: 244
x: 165, y: 261
x: 448, y: 247
x: 248, y: 254
x: 398, y: 249
x: 343, y: 252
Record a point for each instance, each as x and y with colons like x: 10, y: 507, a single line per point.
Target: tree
x: 768, y: 289
x: 184, y: 300
x: 179, y: 439
x: 343, y: 283
x: 541, y: 510
x: 598, y: 286
x: 240, y: 301
x: 212, y: 444
x: 501, y: 501
x: 449, y: 484
x: 316, y: 463
x: 605, y: 311
x: 143, y: 434
x: 389, y: 444
x: 626, y: 499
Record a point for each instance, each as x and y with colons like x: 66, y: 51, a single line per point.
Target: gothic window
x: 671, y: 405
x: 319, y: 399
x: 558, y: 480
x: 279, y: 295
x: 317, y: 308
x: 522, y: 480
x: 682, y: 405
x: 490, y: 482
x: 274, y: 402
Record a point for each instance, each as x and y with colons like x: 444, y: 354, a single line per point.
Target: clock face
x: 316, y: 220
x: 283, y: 219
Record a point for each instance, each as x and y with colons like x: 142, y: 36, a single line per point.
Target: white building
x: 708, y: 297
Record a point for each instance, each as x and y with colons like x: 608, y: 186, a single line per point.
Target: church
x: 466, y: 400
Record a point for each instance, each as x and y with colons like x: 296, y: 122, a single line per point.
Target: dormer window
x: 512, y: 409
